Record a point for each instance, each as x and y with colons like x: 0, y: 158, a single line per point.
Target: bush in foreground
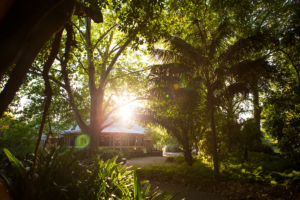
x: 62, y: 175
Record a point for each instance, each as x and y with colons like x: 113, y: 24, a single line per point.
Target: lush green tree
x: 177, y: 109
x: 282, y: 120
x: 16, y: 135
x: 282, y: 102
x: 160, y: 135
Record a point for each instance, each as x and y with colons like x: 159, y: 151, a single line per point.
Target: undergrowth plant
x: 259, y: 167
x: 61, y: 174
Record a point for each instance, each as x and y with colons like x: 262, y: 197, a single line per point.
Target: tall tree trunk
x: 94, y: 111
x: 188, y: 154
x: 257, y: 108
x: 230, y: 122
x: 246, y: 153
x: 210, y: 104
x: 94, y: 124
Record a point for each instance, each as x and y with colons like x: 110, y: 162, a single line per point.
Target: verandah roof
x: 118, y: 127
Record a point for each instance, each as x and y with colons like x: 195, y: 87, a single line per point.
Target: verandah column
x: 128, y: 142
x: 121, y: 141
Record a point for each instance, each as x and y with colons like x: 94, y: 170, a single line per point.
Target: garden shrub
x: 105, y: 154
x: 170, y: 159
x: 129, y: 155
x: 60, y: 174
x: 178, y: 159
x: 263, y: 168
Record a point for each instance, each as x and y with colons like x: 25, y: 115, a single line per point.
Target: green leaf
x: 16, y: 164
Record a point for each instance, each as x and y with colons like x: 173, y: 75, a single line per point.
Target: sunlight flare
x: 125, y: 112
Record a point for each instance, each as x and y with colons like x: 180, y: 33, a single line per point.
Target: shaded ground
x: 185, y: 193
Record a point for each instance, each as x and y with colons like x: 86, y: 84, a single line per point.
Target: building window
x: 72, y: 140
x: 124, y: 140
x: 117, y: 140
x: 132, y: 140
x: 142, y: 140
x: 104, y: 140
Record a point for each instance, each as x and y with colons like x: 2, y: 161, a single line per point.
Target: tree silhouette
x: 208, y: 55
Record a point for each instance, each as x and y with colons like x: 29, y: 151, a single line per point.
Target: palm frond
x: 162, y: 55
x: 237, y: 88
x: 217, y: 84
x: 248, y: 70
x: 220, y: 72
x: 168, y: 74
x: 197, y: 34
x: 184, y: 49
x: 172, y: 69
x: 243, y: 47
x: 223, y: 31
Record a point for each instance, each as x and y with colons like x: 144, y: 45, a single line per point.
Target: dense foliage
x: 17, y: 136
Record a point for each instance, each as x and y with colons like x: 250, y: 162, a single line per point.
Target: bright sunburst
x: 125, y: 112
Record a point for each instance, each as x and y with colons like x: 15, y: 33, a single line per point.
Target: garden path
x: 185, y: 193
x: 151, y: 160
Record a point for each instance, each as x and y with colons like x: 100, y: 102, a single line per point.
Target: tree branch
x: 125, y: 75
x: 102, y: 36
x: 82, y: 66
x: 81, y: 33
x: 114, y: 48
x: 101, y: 54
x: 294, y: 66
x: 48, y: 92
x: 114, y: 60
x: 106, y: 104
x: 51, y: 78
x: 83, y: 126
x: 109, y: 124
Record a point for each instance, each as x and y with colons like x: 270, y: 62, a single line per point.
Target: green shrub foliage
x: 64, y: 174
x: 259, y: 167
